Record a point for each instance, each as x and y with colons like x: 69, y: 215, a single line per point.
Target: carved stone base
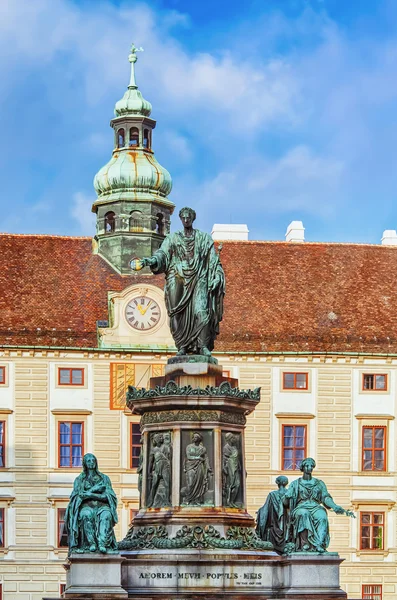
x: 94, y: 576
x: 217, y: 574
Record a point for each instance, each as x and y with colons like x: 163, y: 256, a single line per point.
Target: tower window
x: 110, y: 222
x: 146, y: 143
x: 120, y: 138
x: 134, y: 136
x: 136, y: 221
x: 160, y: 224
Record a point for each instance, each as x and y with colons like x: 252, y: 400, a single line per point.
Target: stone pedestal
x: 94, y: 576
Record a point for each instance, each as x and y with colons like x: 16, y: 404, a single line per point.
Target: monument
x: 193, y: 536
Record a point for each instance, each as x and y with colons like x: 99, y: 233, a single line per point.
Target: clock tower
x: 133, y: 210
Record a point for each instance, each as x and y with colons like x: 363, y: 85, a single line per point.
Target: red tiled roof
x: 280, y: 296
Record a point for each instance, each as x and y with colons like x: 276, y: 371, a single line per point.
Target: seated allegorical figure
x: 92, y: 511
x: 271, y: 519
x: 307, y: 499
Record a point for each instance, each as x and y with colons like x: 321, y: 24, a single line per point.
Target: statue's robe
x: 271, y: 521
x: 77, y: 504
x: 190, y: 265
x: 308, y: 519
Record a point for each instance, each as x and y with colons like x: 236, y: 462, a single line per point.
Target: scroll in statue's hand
x: 214, y: 284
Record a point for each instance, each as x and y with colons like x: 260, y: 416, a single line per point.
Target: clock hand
x: 141, y: 309
x: 147, y: 307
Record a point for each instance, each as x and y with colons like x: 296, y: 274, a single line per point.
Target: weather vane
x: 133, y: 58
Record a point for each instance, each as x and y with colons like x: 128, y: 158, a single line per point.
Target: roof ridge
x: 303, y: 244
x: 46, y: 235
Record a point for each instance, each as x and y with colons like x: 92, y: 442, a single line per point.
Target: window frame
x: 3, y: 521
x: 371, y: 595
x: 294, y: 389
x: 59, y: 536
x: 62, y: 589
x: 71, y: 384
x: 132, y: 445
x: 371, y: 525
x: 294, y: 425
x: 60, y: 422
x: 3, y: 370
x: 374, y: 389
x: 3, y: 444
x: 373, y: 449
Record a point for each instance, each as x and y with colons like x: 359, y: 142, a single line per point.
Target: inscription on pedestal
x: 192, y: 576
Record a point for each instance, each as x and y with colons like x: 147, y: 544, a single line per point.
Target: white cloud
x: 81, y: 212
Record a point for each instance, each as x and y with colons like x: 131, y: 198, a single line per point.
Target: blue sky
x: 267, y: 111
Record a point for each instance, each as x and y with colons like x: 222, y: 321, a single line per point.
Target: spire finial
x: 133, y: 58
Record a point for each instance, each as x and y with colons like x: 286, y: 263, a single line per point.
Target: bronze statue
x: 197, y: 471
x: 92, y: 511
x: 194, y: 288
x: 159, y: 473
x: 231, y: 470
x: 271, y: 517
x: 307, y: 499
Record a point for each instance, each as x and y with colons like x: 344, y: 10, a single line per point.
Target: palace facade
x: 313, y: 324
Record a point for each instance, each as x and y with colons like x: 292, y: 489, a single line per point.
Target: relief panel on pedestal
x: 159, y: 470
x: 197, y: 463
x: 232, y: 470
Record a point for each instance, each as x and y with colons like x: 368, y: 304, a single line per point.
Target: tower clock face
x: 142, y: 313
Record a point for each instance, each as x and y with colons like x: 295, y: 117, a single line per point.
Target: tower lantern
x: 133, y: 210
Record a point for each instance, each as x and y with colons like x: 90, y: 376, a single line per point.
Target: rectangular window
x: 372, y: 381
x: 295, y: 381
x: 135, y: 444
x: 70, y: 444
x: 374, y: 448
x: 294, y: 446
x: 372, y: 530
x: 372, y: 592
x: 2, y: 443
x: 62, y: 535
x: 62, y: 588
x: 70, y: 376
x: 2, y: 528
x: 2, y: 375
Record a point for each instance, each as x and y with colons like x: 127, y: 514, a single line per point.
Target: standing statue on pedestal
x: 231, y: 470
x: 159, y: 473
x: 194, y: 288
x: 197, y: 471
x: 271, y: 519
x: 92, y: 511
x: 140, y: 471
x: 307, y: 499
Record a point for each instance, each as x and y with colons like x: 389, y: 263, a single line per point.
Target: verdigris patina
x: 271, y: 519
x: 140, y: 471
x: 307, y: 499
x: 194, y: 288
x: 237, y: 538
x: 197, y: 471
x: 92, y: 511
x: 159, y: 472
x: 231, y: 470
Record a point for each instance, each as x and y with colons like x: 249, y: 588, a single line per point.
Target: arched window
x: 110, y: 222
x: 120, y: 138
x: 136, y: 221
x: 160, y: 224
x: 134, y: 136
x: 146, y: 143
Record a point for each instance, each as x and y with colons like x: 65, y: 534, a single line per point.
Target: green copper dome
x: 133, y: 103
x: 132, y: 175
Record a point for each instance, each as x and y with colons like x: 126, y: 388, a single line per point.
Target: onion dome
x: 132, y: 175
x: 133, y: 103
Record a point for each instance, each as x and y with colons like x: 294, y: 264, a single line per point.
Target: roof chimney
x: 389, y: 237
x: 229, y: 232
x: 295, y: 232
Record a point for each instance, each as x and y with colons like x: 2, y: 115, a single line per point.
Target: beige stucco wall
x: 334, y: 408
